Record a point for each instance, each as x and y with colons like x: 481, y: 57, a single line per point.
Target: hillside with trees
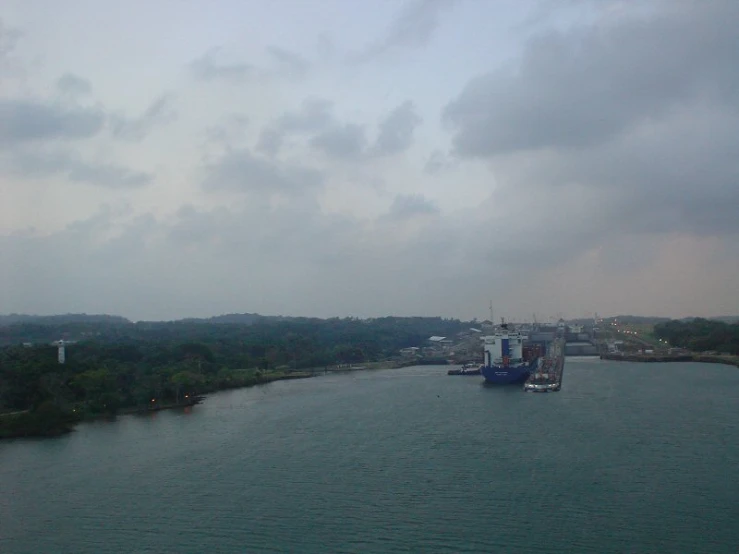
x: 11, y: 319
x: 119, y: 365
x: 700, y: 335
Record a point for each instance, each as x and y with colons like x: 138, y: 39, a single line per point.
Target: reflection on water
x: 625, y: 458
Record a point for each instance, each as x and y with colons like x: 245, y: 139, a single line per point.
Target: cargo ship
x: 506, y: 360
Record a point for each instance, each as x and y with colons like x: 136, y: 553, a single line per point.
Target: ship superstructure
x: 506, y: 360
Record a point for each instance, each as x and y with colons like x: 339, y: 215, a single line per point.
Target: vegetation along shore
x: 113, y: 366
x: 696, y: 340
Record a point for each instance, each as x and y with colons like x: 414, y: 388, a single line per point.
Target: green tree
x: 185, y: 382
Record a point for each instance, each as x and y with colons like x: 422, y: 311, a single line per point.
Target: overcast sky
x: 172, y: 158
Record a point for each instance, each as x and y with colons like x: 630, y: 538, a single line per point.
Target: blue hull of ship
x: 501, y: 375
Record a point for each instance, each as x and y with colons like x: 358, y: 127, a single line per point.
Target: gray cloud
x: 285, y: 65
x: 82, y: 263
x: 406, y: 206
x: 367, y: 264
x: 325, y: 47
x: 241, y: 171
x: 341, y: 141
x: 11, y: 63
x: 297, y: 229
x: 413, y: 28
x: 193, y: 226
x: 631, y: 118
x: 160, y: 112
x: 108, y: 175
x: 31, y: 120
x: 621, y: 130
x: 41, y: 163
x: 108, y: 247
x: 73, y: 85
x: 588, y: 85
x: 396, y: 130
x: 314, y: 115
x: 207, y: 68
x: 8, y: 39
x: 231, y: 130
x: 294, y: 65
x: 270, y: 141
x: 438, y: 161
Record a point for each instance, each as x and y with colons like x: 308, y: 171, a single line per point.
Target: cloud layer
x: 373, y: 162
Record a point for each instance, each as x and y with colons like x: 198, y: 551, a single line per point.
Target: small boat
x: 466, y: 369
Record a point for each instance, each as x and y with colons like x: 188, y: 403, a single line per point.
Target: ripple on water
x: 626, y: 458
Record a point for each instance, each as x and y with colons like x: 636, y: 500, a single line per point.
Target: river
x: 627, y: 457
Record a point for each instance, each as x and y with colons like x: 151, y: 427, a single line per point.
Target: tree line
x: 118, y: 365
x: 700, y: 335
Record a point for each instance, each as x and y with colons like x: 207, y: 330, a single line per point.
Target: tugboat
x: 466, y: 369
x: 542, y: 381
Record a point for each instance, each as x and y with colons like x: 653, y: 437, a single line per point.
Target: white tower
x: 60, y: 351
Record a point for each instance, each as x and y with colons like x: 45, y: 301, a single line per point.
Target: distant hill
x: 337, y: 332
x: 16, y: 328
x: 634, y: 319
x: 242, y: 319
x: 726, y: 318
x: 638, y: 319
x: 62, y: 319
x: 653, y: 320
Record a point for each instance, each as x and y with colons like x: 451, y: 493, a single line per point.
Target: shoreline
x: 663, y: 359
x: 60, y: 428
x: 199, y: 398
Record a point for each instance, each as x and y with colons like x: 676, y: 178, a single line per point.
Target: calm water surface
x: 626, y: 458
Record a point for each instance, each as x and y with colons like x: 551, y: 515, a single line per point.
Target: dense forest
x: 114, y: 365
x: 701, y: 335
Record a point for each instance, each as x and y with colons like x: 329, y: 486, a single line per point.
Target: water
x: 626, y: 458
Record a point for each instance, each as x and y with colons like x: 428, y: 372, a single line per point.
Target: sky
x: 187, y: 158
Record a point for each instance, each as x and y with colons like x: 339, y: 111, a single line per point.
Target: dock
x: 549, y: 374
